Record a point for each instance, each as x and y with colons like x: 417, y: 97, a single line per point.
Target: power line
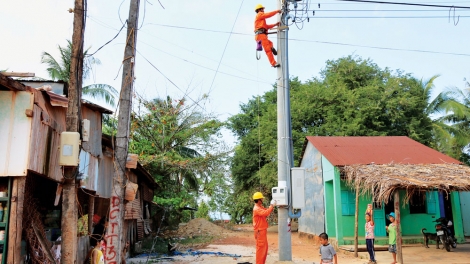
x: 109, y: 40
x: 196, y: 64
x: 408, y: 4
x: 207, y: 68
x: 226, y: 44
x: 388, y: 17
x: 322, y: 42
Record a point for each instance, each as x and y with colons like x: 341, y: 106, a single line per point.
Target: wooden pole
x: 91, y: 212
x: 69, y: 206
x: 396, y: 202
x: 114, y: 234
x: 356, y: 225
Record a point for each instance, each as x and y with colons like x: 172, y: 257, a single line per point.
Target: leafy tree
x: 60, y: 70
x: 181, y: 147
x: 203, y: 211
x: 352, y: 97
x: 450, y: 119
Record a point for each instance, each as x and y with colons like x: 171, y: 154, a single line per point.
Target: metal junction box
x: 69, y: 148
x: 298, y: 190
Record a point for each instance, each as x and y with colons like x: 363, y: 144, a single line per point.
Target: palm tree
x: 60, y: 70
x: 450, y: 118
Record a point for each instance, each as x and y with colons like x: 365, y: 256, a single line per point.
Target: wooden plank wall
x: 16, y: 220
x: 133, y: 210
x: 47, y: 124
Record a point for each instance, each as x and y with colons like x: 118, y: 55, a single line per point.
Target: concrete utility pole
x: 115, y: 232
x: 69, y: 206
x: 284, y: 139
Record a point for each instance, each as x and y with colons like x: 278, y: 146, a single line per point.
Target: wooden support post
x: 114, y: 233
x: 396, y: 202
x: 356, y: 224
x: 16, y: 220
x: 91, y: 213
x: 69, y: 204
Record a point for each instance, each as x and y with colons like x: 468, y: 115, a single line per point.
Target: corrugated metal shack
x: 30, y: 125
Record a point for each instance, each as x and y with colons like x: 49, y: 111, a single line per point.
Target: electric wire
x: 406, y: 4
x: 226, y: 44
x: 155, y: 67
x: 123, y: 25
x: 196, y: 64
x: 191, y: 51
x: 322, y: 42
x: 204, y: 67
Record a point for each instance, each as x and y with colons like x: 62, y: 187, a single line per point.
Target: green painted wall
x: 348, y: 221
x: 411, y: 223
x: 328, y: 169
x: 329, y: 209
x: 457, y: 215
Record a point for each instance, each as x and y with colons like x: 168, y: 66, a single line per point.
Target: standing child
x: 392, y: 236
x: 370, y: 238
x: 327, y: 252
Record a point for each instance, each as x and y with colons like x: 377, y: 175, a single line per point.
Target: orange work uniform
x: 260, y: 24
x: 260, y: 225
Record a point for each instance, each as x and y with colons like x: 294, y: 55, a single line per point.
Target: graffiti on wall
x: 112, y: 237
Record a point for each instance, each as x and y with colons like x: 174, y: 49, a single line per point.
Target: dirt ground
x: 241, y: 242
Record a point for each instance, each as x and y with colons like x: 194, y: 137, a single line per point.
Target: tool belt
x: 261, y: 31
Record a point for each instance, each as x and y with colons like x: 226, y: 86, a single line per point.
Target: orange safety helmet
x: 258, y: 6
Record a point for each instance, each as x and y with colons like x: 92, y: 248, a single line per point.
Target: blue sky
x: 190, y: 57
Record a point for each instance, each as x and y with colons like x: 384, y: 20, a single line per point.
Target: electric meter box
x: 298, y: 189
x: 69, y: 148
x: 280, y: 195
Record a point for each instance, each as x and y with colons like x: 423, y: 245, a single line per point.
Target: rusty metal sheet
x: 45, y: 142
x: 105, y: 177
x: 15, y: 132
x: 94, y: 143
x: 379, y: 150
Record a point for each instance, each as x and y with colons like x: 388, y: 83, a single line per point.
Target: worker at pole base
x: 261, y: 32
x: 260, y: 226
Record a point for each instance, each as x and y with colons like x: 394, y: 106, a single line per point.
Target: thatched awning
x: 382, y: 180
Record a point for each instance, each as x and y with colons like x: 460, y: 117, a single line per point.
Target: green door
x: 379, y: 220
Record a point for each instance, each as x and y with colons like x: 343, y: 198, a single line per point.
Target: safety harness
x: 261, y: 31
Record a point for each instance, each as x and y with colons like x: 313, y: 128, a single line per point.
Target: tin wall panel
x: 45, y: 143
x: 15, y: 132
x: 104, y: 179
x: 93, y: 145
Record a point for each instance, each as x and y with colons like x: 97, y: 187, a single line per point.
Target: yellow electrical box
x: 69, y: 148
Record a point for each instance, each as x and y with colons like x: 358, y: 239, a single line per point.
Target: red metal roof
x: 342, y: 151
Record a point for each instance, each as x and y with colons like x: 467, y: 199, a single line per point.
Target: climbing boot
x: 274, y: 51
x: 277, y: 65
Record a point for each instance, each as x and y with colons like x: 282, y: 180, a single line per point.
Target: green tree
x: 181, y: 147
x: 203, y: 211
x: 60, y: 70
x: 450, y: 126
x: 352, y: 97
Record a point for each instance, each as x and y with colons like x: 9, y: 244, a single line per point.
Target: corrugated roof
x: 342, y: 151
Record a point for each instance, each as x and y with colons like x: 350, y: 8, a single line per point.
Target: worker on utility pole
x: 261, y: 32
x: 260, y: 226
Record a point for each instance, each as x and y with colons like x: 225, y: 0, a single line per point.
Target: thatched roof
x: 382, y: 180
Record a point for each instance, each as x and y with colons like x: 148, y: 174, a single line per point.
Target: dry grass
x: 381, y: 181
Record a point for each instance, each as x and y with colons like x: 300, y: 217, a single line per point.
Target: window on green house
x: 418, y: 203
x: 348, y: 202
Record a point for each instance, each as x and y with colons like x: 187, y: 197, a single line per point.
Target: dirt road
x: 305, y: 251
